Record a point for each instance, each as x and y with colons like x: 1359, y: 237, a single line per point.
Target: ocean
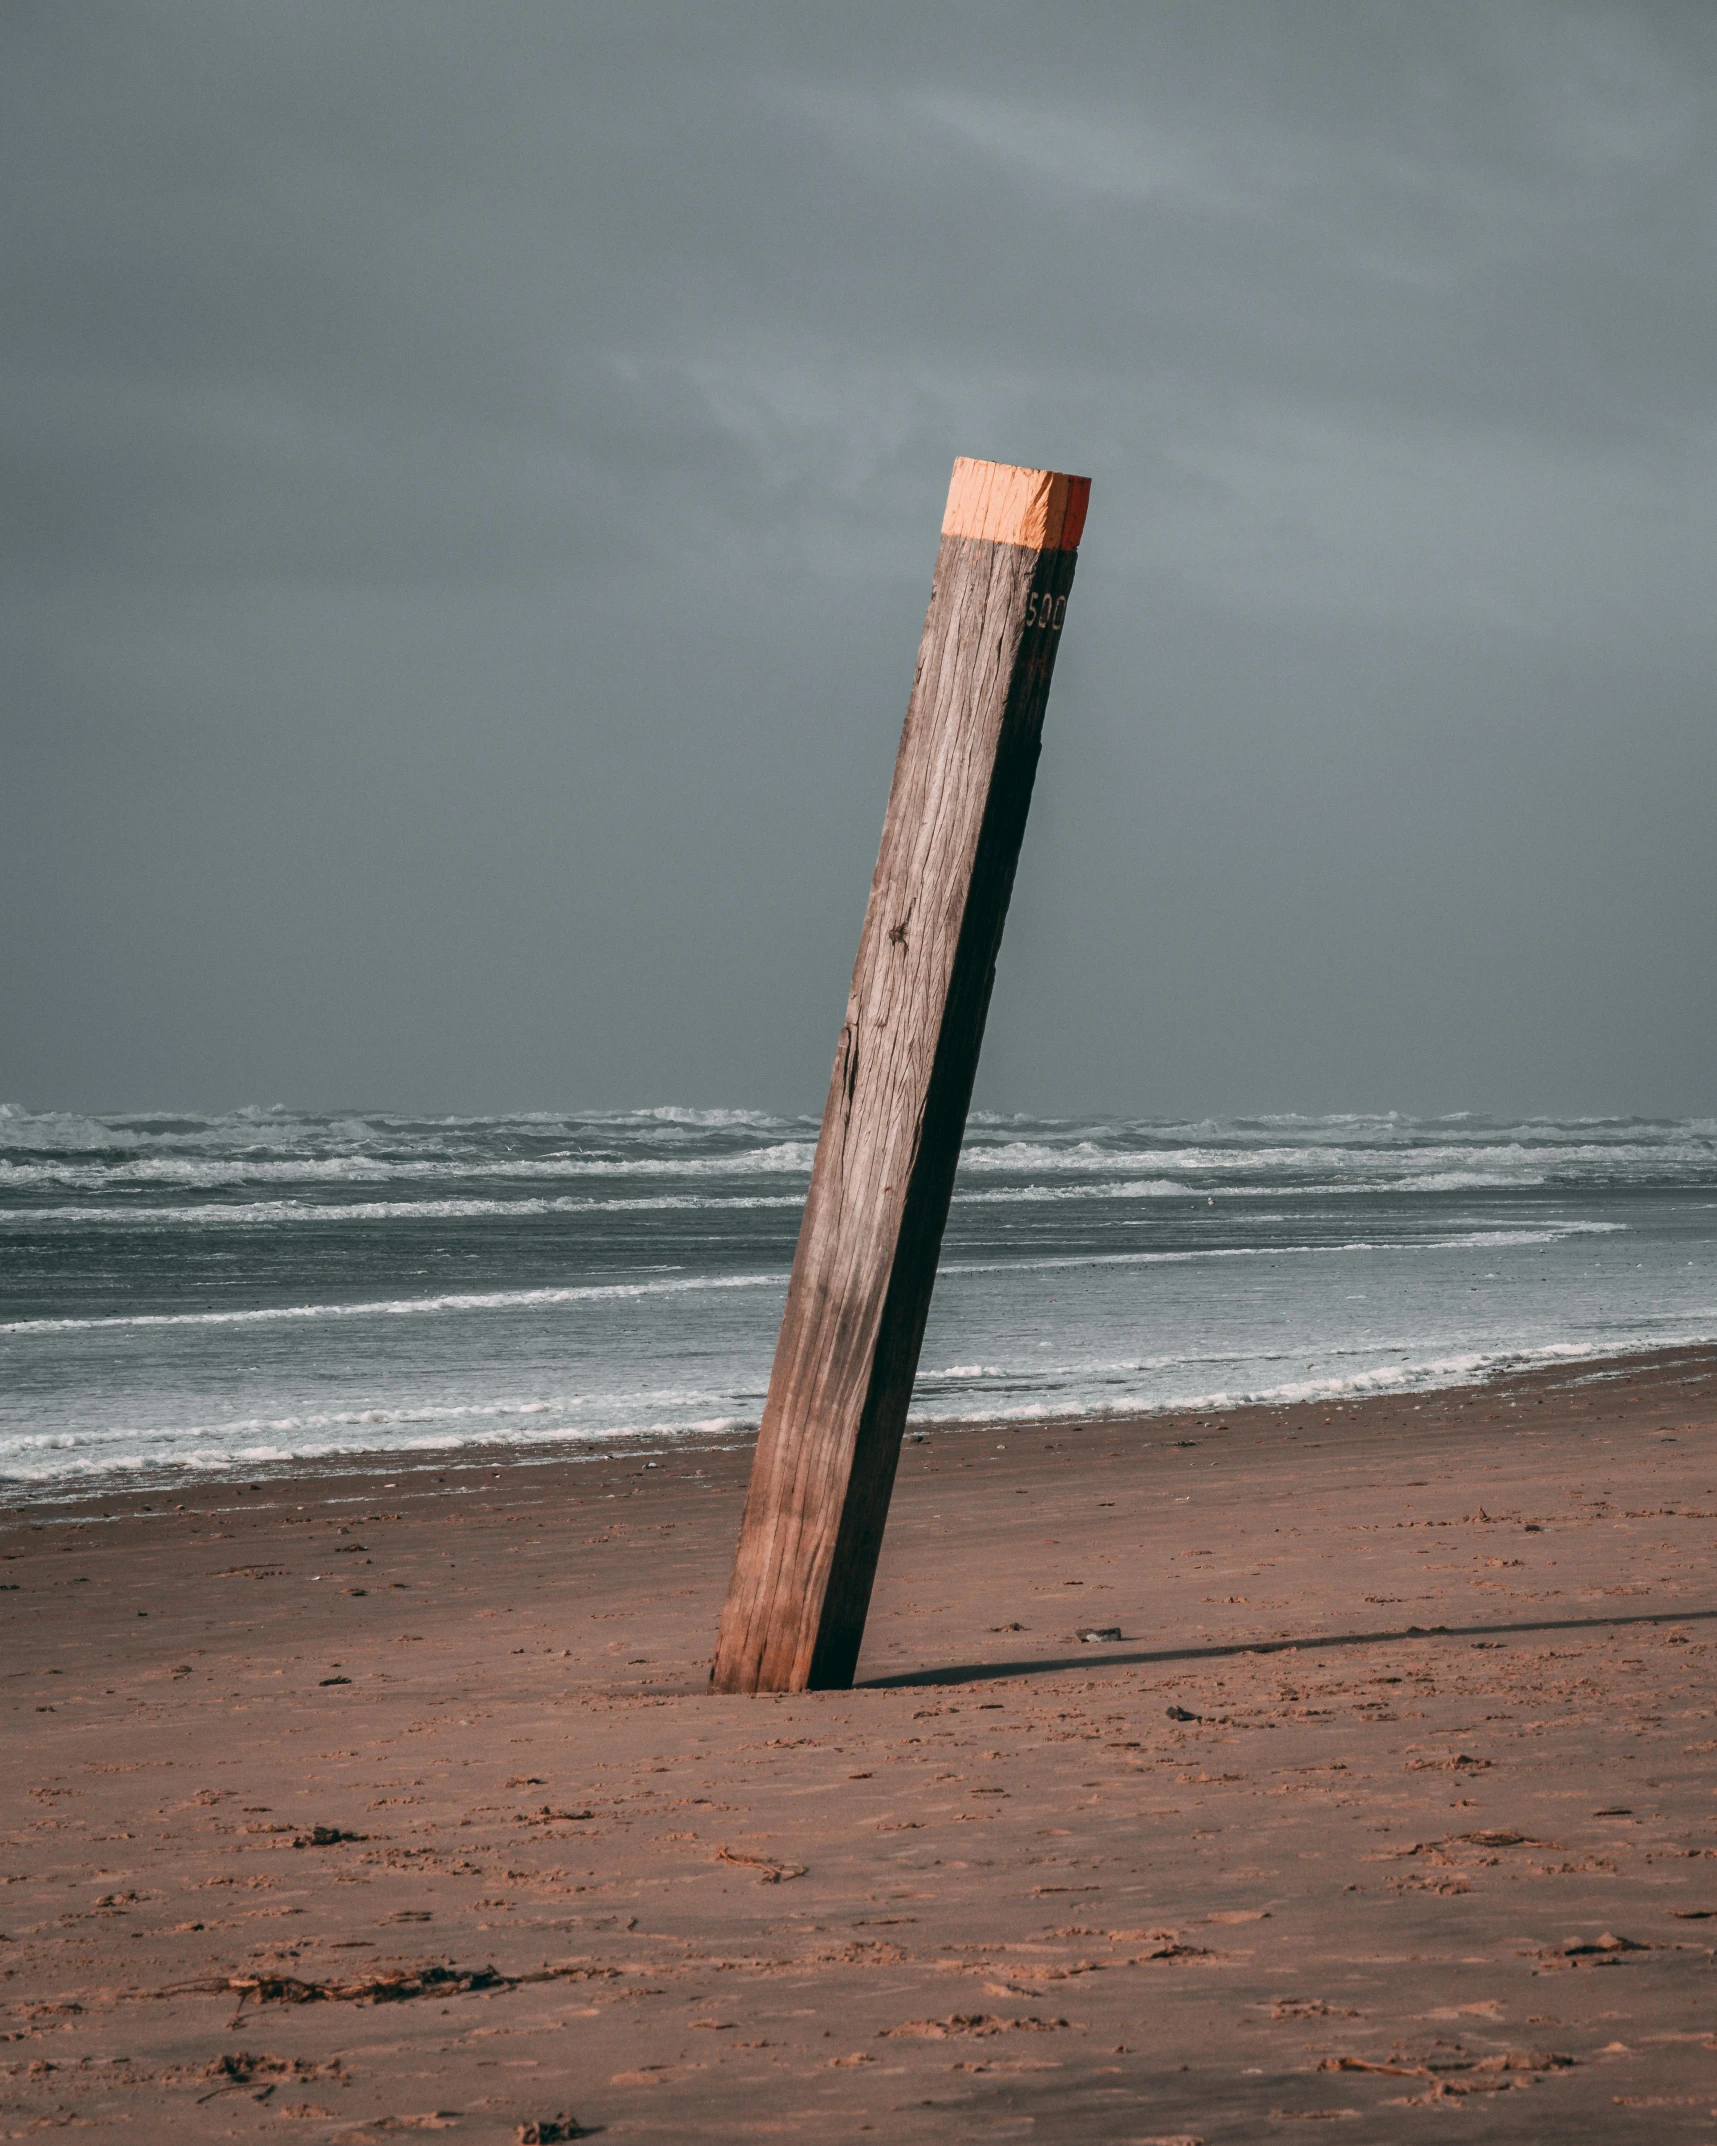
x: 186, y: 1295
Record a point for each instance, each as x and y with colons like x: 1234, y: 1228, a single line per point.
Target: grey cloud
x: 470, y: 481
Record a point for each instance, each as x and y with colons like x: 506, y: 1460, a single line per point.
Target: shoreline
x: 574, y: 1449
x: 400, y: 1802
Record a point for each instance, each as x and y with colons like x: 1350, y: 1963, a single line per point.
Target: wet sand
x: 383, y: 1802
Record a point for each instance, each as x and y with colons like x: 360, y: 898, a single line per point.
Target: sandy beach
x: 373, y: 1803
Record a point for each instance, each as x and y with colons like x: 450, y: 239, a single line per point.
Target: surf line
x: 399, y: 1307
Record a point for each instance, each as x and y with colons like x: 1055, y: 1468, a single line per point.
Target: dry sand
x: 390, y: 1802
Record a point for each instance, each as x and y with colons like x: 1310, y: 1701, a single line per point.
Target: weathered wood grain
x: 902, y: 1082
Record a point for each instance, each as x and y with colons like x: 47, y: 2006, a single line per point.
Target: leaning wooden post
x: 904, y: 1066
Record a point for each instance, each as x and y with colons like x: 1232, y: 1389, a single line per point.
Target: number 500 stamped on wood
x: 908, y: 1052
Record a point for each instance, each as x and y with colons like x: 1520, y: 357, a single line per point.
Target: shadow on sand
x: 1111, y: 1656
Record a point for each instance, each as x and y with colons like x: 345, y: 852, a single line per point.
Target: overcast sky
x: 471, y: 477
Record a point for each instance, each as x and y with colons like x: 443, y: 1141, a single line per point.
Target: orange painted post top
x: 1038, y: 508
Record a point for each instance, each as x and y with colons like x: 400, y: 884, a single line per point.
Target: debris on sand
x: 241, y: 2068
x: 968, y: 2023
x: 1454, y: 2072
x: 769, y: 1873
x: 1389, y: 2071
x: 1159, y: 1945
x: 394, y: 1985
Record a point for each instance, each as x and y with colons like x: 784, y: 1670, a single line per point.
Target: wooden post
x: 902, y: 1084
